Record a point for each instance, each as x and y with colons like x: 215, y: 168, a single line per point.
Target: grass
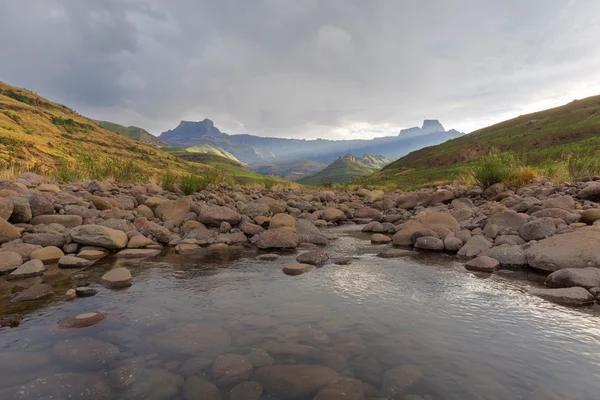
x: 494, y: 168
x: 340, y: 171
x: 168, y: 181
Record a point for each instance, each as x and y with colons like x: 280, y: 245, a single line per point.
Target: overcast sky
x: 303, y: 68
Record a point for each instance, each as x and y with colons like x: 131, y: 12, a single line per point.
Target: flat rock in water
x: 47, y: 255
x: 483, y: 264
x: 294, y: 381
x: 27, y: 270
x: 231, y: 369
x: 296, y: 269
x: 342, y: 389
x: 82, y: 320
x: 138, y: 253
x: 578, y: 249
x: 70, y: 261
x: 248, y: 390
x: 569, y: 277
x: 9, y: 261
x: 101, y: 236
x: 574, y: 296
x: 314, y: 257
x: 117, y: 278
x: 268, y: 257
x: 92, y: 253
x: 394, y: 253
x: 36, y: 292
x: 378, y: 238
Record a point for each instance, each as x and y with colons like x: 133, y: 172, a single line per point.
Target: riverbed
x: 461, y: 335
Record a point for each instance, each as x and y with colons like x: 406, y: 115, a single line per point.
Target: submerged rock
x: 294, y: 381
x: 68, y: 385
x: 296, y: 269
x: 85, y: 352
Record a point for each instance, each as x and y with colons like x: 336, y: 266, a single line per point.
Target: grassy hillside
x: 290, y: 168
x: 340, y: 171
x: 208, y: 149
x: 538, y: 139
x: 133, y: 132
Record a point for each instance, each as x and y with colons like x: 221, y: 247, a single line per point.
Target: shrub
x: 493, y: 168
x: 327, y: 184
x: 168, y: 181
x: 190, y: 184
x: 521, y: 176
x: 20, y: 97
x: 269, y: 183
x: 65, y: 173
x: 582, y: 166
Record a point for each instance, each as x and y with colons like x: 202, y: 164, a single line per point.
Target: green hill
x: 540, y: 138
x: 133, y: 132
x: 290, y: 168
x: 340, y: 171
x: 208, y: 149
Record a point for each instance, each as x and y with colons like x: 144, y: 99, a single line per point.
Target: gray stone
x: 211, y: 215
x: 27, y: 270
x: 509, y: 220
x: 378, y: 238
x: 482, y: 264
x: 342, y: 389
x: 429, y: 243
x: 280, y: 238
x: 70, y: 261
x: 574, y: 296
x: 9, y: 262
x: 8, y: 232
x: 314, y: 257
x: 452, y: 244
x: 231, y: 369
x: 577, y: 249
x: 21, y: 210
x: 138, y: 253
x: 568, y: 216
x: 117, y: 278
x: 296, y: 269
x: 294, y: 381
x: 539, y: 229
x: 101, y: 236
x: 38, y: 291
x: 68, y: 221
x: 507, y: 256
x: 474, y: 246
x: 6, y: 208
x: 570, y: 277
x: 591, y: 192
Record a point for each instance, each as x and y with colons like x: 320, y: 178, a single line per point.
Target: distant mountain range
x: 346, y: 169
x: 133, y: 132
x: 268, y: 152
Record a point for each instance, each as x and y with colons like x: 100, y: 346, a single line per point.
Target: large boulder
x: 159, y: 232
x: 577, y: 249
x: 429, y: 243
x: 590, y: 216
x: 8, y: 232
x: 116, y: 278
x: 366, y: 212
x: 21, y: 210
x: 570, y: 277
x: 482, y: 264
x: 27, y: 270
x: 591, y: 192
x: 280, y: 238
x: 85, y: 352
x: 440, y: 223
x: 474, y: 246
x: 574, y: 296
x: 564, y: 202
x: 173, y: 209
x: 282, y: 220
x: 231, y: 369
x: 294, y: 381
x: 411, y: 200
x: 507, y: 256
x: 440, y: 196
x: 331, y: 214
x: 211, y: 215
x: 101, y: 236
x: 509, y: 220
x: 539, y: 229
x: 568, y: 216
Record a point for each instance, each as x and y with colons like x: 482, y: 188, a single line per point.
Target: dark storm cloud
x: 308, y: 68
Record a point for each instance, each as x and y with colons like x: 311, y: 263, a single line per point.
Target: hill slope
x: 133, y: 132
x: 208, y: 149
x: 346, y: 169
x: 539, y: 138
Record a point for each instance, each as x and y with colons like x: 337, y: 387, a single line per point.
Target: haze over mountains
x: 259, y: 151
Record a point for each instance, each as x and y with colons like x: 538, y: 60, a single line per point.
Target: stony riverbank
x: 551, y: 228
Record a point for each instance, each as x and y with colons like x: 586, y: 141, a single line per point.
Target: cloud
x: 312, y: 68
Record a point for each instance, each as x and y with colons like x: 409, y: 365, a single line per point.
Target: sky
x: 333, y: 69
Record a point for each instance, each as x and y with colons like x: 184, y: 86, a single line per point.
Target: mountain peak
x: 432, y: 125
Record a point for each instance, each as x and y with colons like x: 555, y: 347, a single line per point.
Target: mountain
x: 346, y: 169
x: 133, y: 132
x: 540, y: 138
x: 290, y: 168
x: 260, y: 151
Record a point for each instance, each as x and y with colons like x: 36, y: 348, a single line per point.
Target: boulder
x: 564, y: 202
x: 21, y: 210
x: 280, y: 238
x: 68, y: 221
x: 211, y: 215
x: 40, y: 205
x: 294, y: 381
x: 509, y: 220
x: 539, y: 229
x: 231, y: 369
x: 429, y: 243
x: 440, y: 196
x: 568, y: 216
x: 101, y: 203
x: 66, y: 385
x: 282, y: 220
x: 482, y: 264
x: 6, y: 208
x: 82, y: 320
x: 440, y: 223
x: 126, y: 373
x: 254, y: 210
x: 158, y: 232
x: 52, y: 238
x: 116, y: 278
x: 314, y: 257
x: 47, y: 255
x: 101, y: 236
x: 397, y: 381
x: 85, y: 352
x: 39, y: 291
x: 27, y: 270
x: 70, y: 261
x: 22, y: 249
x: 342, y: 389
x: 331, y: 214
x: 452, y: 244
x: 173, y: 209
x: 577, y: 249
x: 9, y: 261
x: 591, y: 192
x: 507, y: 256
x: 569, y: 277
x: 296, y: 269
x: 378, y: 238
x: 366, y: 212
x: 574, y: 296
x: 474, y: 246
x: 590, y: 216
x: 8, y: 232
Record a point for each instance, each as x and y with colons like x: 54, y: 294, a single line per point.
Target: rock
x: 48, y: 255
x: 578, y: 249
x: 440, y: 223
x: 452, y: 244
x: 22, y: 249
x: 12, y: 321
x: 591, y: 192
x: 342, y: 389
x: 155, y: 384
x: 138, y: 253
x: 429, y: 243
x: 567, y: 216
x: 482, y: 264
x: 173, y: 209
x: 491, y: 230
x: 574, y: 296
x: 282, y: 220
x: 21, y: 210
x: 197, y: 340
x: 211, y: 215
x: 70, y: 295
x: 564, y: 202
x: 268, y: 257
x: 397, y: 381
x: 231, y: 369
x: 85, y: 352
x: 569, y: 277
x: 440, y: 196
x: 125, y: 374
x: 116, y: 278
x: 411, y: 200
x: 70, y: 261
x: 539, y: 229
x: 280, y: 238
x: 378, y: 238
x: 9, y: 261
x: 100, y: 203
x: 38, y: 291
x: 27, y: 270
x: 67, y: 385
x: 98, y: 186
x: 331, y: 214
x: 474, y: 246
x: 294, y: 381
x: 196, y: 388
x: 260, y: 358
x: 296, y: 269
x: 45, y: 239
x: 85, y: 291
x: 8, y: 232
x: 101, y: 236
x: 494, y: 190
x: 139, y: 242
x: 507, y: 256
x: 68, y: 221
x: 395, y: 253
x: 160, y: 233
x: 6, y: 208
x: 509, y: 220
x: 194, y: 366
x: 314, y: 257
x: 82, y: 320
x: 590, y: 216
x: 145, y: 211
x: 366, y: 212
x: 254, y: 210
x: 40, y: 205
x: 246, y: 391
